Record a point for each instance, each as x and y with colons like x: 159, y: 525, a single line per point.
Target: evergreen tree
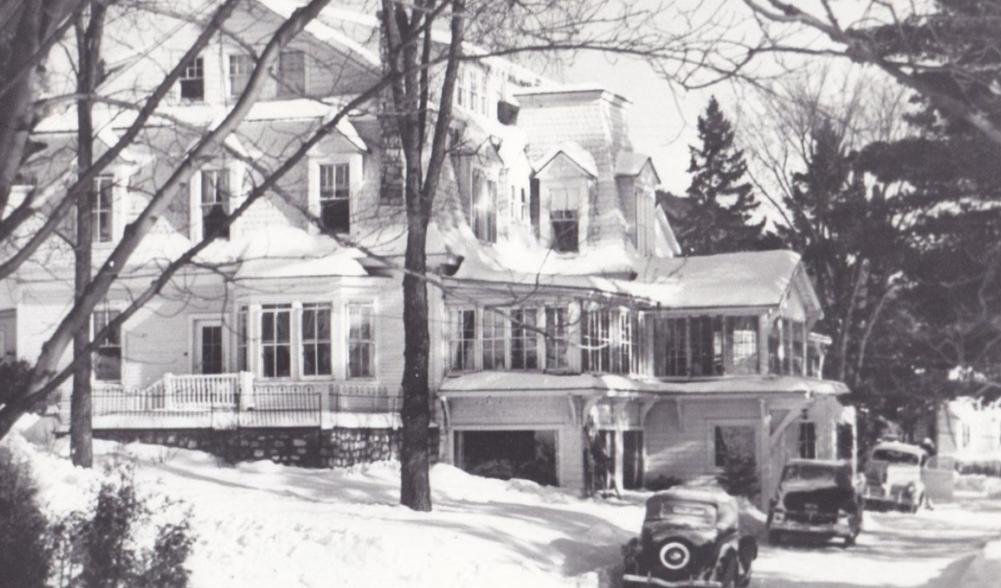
x: 721, y: 200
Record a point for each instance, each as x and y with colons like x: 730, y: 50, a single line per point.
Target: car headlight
x: 843, y: 517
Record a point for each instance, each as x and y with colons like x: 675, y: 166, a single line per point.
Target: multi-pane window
x: 798, y: 346
x: 291, y: 73
x: 671, y: 346
x: 493, y: 339
x: 608, y: 341
x: 557, y: 338
x: 463, y: 339
x: 102, y: 207
x: 564, y: 230
x: 361, y: 341
x: 335, y: 197
x: 391, y: 190
x: 474, y: 89
x: 741, y: 344
x: 215, y: 203
x: 276, y: 341
x: 108, y: 357
x: 240, y: 68
x: 316, y: 340
x: 193, y: 80
x: 807, y: 440
x: 524, y: 339
x: 706, y: 345
x: 485, y: 222
x: 242, y: 339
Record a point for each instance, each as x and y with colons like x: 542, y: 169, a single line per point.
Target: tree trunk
x: 415, y: 485
x: 88, y: 34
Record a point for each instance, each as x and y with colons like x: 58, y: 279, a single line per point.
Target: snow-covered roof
x: 572, y: 151
x: 321, y: 29
x: 631, y: 163
x: 570, y: 89
x: 287, y: 252
x: 500, y: 382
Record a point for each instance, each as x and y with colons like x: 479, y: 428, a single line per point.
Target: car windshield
x: 896, y: 456
x: 688, y: 514
x: 810, y: 473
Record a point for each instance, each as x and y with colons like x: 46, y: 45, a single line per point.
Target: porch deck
x: 239, y: 400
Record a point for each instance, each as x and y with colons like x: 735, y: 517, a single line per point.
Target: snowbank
x: 985, y: 569
x: 263, y: 524
x: 985, y: 486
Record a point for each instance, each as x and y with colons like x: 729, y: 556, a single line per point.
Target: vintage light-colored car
x: 893, y: 476
x: 690, y: 537
x: 816, y: 497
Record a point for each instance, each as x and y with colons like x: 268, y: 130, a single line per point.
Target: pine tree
x: 721, y: 199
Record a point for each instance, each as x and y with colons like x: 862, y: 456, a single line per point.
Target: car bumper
x: 652, y: 581
x: 892, y: 498
x: 836, y: 529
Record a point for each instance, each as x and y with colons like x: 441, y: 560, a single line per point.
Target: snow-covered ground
x: 261, y: 524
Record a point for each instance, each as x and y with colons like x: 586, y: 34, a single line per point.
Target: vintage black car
x: 690, y: 537
x: 816, y: 497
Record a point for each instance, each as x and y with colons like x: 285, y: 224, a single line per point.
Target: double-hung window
x: 335, y: 197
x: 240, y: 68
x: 807, y: 440
x: 291, y: 74
x: 316, y: 340
x: 193, y: 80
x: 276, y: 340
x: 493, y: 339
x: 565, y: 233
x: 108, y: 357
x: 557, y: 338
x: 361, y: 340
x: 463, y: 339
x: 242, y: 339
x: 524, y: 339
x: 102, y: 206
x: 215, y: 203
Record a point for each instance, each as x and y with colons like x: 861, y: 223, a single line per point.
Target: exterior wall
x: 968, y: 431
x: 306, y: 447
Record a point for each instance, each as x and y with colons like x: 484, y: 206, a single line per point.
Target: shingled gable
x: 568, y: 151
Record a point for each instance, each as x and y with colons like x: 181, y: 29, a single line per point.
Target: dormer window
x: 102, y: 208
x: 193, y: 81
x: 564, y: 230
x: 215, y: 203
x: 335, y: 197
x: 291, y: 74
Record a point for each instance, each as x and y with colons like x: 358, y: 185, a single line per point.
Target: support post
x: 168, y: 390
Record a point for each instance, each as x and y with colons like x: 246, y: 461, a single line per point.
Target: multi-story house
x: 563, y: 317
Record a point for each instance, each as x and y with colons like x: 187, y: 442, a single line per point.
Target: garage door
x: 530, y: 455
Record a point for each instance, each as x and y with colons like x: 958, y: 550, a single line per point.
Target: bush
x: 739, y: 476
x: 100, y: 549
x: 25, y: 549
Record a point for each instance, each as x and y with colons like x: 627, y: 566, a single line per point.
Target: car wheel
x: 917, y: 505
x: 849, y: 540
x: 774, y: 537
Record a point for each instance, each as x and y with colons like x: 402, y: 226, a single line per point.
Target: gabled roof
x: 630, y: 163
x: 572, y: 151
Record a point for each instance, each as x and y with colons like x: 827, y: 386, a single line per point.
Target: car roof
x: 711, y: 496
x: 899, y: 446
x: 830, y: 463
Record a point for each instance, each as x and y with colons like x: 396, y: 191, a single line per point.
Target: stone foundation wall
x: 306, y: 447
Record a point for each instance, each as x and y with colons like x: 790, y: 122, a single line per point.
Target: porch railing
x: 239, y: 400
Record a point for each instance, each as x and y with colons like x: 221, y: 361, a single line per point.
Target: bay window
x: 524, y: 339
x: 557, y: 338
x: 493, y: 340
x: 276, y: 340
x: 108, y: 357
x: 462, y: 344
x: 316, y: 340
x: 361, y: 341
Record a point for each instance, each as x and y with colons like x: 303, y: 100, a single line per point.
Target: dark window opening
x: 193, y: 80
x: 211, y: 351
x: 335, y: 197
x: 807, y: 440
x: 564, y: 226
x: 533, y: 204
x: 529, y: 455
x: 215, y: 204
x: 108, y: 358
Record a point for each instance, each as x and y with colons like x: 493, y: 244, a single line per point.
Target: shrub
x: 739, y: 476
x: 25, y: 549
x: 100, y: 549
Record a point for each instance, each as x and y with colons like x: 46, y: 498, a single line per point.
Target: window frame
x: 263, y: 344
x: 528, y: 338
x: 711, y: 449
x: 110, y: 312
x: 810, y: 443
x: 222, y: 194
x: 457, y: 340
x: 316, y: 341
x: 497, y: 342
x: 196, y: 66
x: 369, y: 342
x: 336, y: 194
x: 555, y: 341
x: 103, y: 188
x: 232, y: 60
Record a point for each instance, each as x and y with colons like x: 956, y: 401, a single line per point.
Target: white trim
x: 356, y: 181
x: 346, y: 303
x: 194, y: 351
